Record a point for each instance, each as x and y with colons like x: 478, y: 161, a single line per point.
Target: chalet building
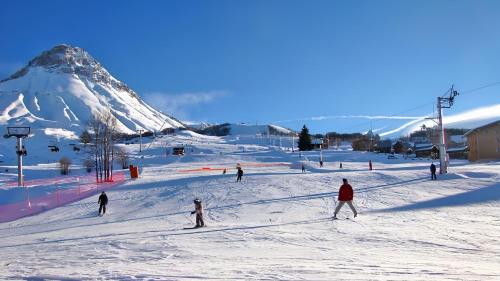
x: 383, y: 146
x: 426, y: 150
x: 484, y: 142
x: 459, y: 152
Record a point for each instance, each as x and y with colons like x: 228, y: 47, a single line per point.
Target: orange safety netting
x: 84, y: 187
x: 249, y: 164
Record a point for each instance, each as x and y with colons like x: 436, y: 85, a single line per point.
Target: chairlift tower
x: 19, y: 133
x: 140, y: 131
x: 444, y: 102
x: 321, y: 152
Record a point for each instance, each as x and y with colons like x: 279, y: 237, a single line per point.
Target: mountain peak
x: 66, y: 59
x: 63, y: 55
x: 65, y: 87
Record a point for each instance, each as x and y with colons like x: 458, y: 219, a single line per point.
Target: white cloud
x: 179, y: 105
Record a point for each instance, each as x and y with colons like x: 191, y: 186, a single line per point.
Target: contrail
x: 370, y: 117
x: 468, y: 119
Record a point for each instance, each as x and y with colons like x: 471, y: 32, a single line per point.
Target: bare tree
x: 122, y: 156
x: 85, y: 137
x: 88, y: 164
x: 103, y: 136
x: 64, y: 163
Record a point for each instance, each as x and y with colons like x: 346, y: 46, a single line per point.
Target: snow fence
x: 85, y: 187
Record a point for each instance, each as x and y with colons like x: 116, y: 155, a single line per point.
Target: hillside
x: 65, y: 87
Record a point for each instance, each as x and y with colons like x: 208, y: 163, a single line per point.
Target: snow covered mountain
x: 245, y: 129
x: 61, y: 89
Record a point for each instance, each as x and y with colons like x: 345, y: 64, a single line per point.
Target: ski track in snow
x: 274, y: 225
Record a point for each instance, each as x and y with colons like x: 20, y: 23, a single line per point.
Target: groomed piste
x: 273, y: 225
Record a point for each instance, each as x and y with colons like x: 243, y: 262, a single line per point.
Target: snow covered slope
x: 64, y: 87
x: 246, y: 129
x: 274, y: 225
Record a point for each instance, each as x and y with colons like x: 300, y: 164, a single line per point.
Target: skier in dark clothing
x: 239, y: 174
x: 433, y: 172
x: 103, y: 201
x: 303, y: 168
x: 321, y: 163
x: 198, y: 210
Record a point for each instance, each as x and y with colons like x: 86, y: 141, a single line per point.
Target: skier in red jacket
x: 345, y: 196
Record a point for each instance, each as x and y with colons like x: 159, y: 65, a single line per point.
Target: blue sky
x: 289, y: 62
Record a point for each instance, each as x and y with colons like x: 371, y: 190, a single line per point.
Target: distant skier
x: 303, y: 168
x: 103, y: 201
x: 370, y: 166
x: 433, y: 172
x: 198, y: 210
x: 346, y: 194
x: 340, y: 166
x: 321, y: 163
x: 239, y: 174
x: 224, y: 171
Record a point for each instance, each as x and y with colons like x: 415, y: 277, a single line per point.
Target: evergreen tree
x: 305, y: 139
x: 85, y: 137
x: 398, y: 147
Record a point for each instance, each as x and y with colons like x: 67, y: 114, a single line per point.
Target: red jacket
x: 345, y: 192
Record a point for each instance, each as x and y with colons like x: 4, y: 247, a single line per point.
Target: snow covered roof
x: 457, y: 149
x: 317, y: 141
x: 481, y: 127
x: 458, y: 138
x: 424, y: 148
x: 421, y: 145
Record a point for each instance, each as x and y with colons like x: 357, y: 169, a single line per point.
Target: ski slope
x: 275, y: 225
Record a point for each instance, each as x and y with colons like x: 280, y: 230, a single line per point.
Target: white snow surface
x: 274, y: 225
x: 249, y: 129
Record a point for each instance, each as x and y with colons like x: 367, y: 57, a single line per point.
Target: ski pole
x: 188, y: 218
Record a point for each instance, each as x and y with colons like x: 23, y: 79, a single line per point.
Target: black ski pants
x: 102, y: 208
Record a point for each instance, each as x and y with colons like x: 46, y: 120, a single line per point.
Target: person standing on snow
x: 346, y: 194
x: 198, y: 210
x: 103, y: 201
x: 370, y: 165
x: 433, y: 172
x: 303, y: 168
x: 239, y: 174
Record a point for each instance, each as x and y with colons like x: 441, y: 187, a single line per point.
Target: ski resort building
x: 426, y: 150
x: 484, y: 142
x: 318, y: 143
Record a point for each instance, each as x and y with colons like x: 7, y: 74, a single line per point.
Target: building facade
x: 484, y: 142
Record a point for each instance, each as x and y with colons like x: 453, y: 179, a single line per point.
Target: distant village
x: 478, y: 144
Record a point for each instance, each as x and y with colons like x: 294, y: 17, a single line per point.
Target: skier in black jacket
x: 239, y: 174
x: 103, y: 201
x: 433, y: 172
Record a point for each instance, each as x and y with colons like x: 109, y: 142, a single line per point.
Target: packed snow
x: 274, y: 225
